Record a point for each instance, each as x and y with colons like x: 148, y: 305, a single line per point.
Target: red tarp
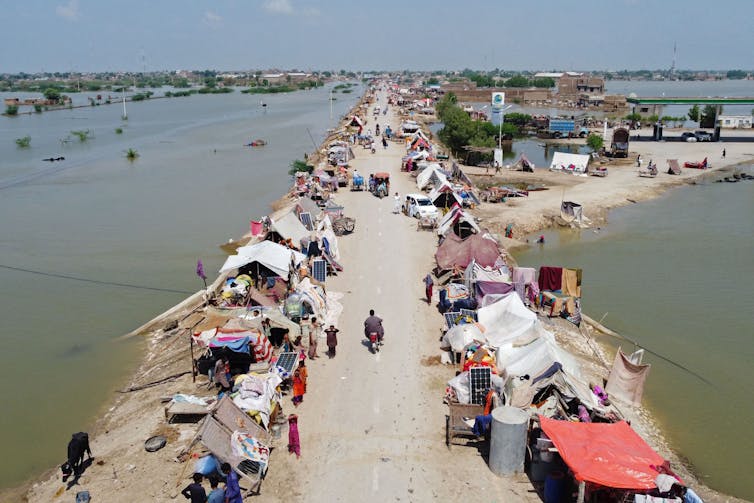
x: 455, y: 251
x: 608, y: 454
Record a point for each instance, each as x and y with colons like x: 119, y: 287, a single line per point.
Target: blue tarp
x: 240, y: 345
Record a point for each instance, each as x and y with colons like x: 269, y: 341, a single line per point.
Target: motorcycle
x: 374, y: 342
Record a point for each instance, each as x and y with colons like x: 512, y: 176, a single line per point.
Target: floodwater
x: 674, y: 275
x: 98, y: 217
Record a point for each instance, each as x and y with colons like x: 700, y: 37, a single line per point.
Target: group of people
x: 231, y: 493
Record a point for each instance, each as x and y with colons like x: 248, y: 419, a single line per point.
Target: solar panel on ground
x: 306, y: 219
x: 287, y: 361
x: 450, y: 318
x: 480, y: 382
x: 470, y: 313
x: 319, y: 270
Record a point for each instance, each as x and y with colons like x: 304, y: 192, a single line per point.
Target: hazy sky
x: 107, y: 35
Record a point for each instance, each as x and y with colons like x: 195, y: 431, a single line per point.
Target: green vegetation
x: 38, y: 108
x: 269, y: 90
x: 595, y: 142
x: 707, y: 118
x: 179, y: 94
x: 460, y: 131
x: 736, y: 74
x: 142, y: 96
x: 299, y: 166
x: 634, y: 117
x: 11, y: 110
x: 432, y: 81
x: 82, y: 135
x: 52, y: 94
x: 24, y: 142
x: 518, y: 119
x: 118, y: 130
x: 131, y: 154
x: 215, y: 90
x: 694, y: 113
x: 652, y: 119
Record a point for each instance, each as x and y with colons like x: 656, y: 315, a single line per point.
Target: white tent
x: 442, y: 188
x: 450, y: 218
x: 508, y: 320
x: 423, y: 179
x: 569, y: 163
x: 460, y: 336
x: 273, y: 256
x: 290, y: 227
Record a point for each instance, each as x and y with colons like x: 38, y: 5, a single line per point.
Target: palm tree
x: 131, y: 154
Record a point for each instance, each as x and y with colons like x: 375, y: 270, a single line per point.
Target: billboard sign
x: 498, y: 100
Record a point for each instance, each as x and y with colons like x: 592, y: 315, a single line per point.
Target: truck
x: 619, y: 145
x: 565, y: 128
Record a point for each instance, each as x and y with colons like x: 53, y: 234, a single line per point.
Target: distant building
x: 575, y: 85
x: 735, y: 121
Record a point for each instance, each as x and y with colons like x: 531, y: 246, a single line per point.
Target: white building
x: 735, y: 121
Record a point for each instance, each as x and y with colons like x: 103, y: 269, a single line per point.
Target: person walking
x: 723, y: 153
x: 314, y: 333
x: 384, y: 143
x: 332, y: 340
x: 428, y: 283
x: 397, y: 204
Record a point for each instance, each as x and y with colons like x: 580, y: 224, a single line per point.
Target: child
x: 332, y: 340
x: 216, y: 495
x: 303, y: 372
x: 294, y: 446
x: 298, y: 388
x: 195, y: 492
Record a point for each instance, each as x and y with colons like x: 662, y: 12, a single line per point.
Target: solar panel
x: 470, y: 313
x: 450, y: 318
x: 480, y: 382
x: 306, y: 219
x: 287, y: 361
x: 319, y: 270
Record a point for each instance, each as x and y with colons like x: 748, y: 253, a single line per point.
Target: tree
x: 634, y: 117
x: 299, y: 166
x: 11, y: 110
x: 52, y: 94
x: 432, y: 81
x: 517, y: 81
x: 736, y: 74
x: 595, y: 142
x: 24, y: 142
x: 707, y: 118
x: 694, y: 113
x: 652, y: 119
x: 131, y: 154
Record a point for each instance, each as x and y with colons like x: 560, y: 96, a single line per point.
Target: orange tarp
x: 608, y: 454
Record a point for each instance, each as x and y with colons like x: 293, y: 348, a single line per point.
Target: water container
x: 508, y: 440
x: 256, y: 228
x: 554, y: 485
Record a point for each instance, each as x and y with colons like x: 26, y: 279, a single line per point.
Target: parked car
x: 688, y: 136
x: 702, y: 136
x: 419, y: 206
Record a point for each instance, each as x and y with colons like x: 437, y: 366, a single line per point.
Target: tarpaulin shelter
x: 459, y: 222
x: 288, y: 226
x: 673, y: 167
x: 508, y: 320
x: 571, y: 212
x: 570, y: 163
x: 271, y: 255
x: 608, y: 454
x: 457, y: 252
x: 431, y: 172
x: 356, y: 121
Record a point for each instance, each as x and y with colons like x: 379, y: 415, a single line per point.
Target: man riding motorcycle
x: 373, y: 325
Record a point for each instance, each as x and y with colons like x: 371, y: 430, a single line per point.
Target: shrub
x: 11, y: 110
x: 118, y: 130
x: 24, y: 142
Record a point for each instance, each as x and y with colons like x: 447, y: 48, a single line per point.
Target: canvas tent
x: 443, y: 196
x: 609, y: 454
x: 571, y: 163
x: 290, y: 227
x: 459, y: 222
x: 356, y: 121
x: 457, y: 252
x: 571, y: 212
x: 508, y: 320
x: 273, y: 256
x: 430, y: 173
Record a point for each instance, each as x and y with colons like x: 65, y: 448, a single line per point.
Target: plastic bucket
x: 554, y: 484
x: 256, y: 228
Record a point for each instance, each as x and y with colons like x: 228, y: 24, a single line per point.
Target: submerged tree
x: 24, y: 142
x: 131, y: 154
x: 82, y: 135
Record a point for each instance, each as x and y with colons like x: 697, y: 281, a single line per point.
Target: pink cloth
x: 524, y: 275
x: 294, y: 445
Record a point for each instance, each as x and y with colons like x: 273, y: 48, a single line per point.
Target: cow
x: 78, y: 445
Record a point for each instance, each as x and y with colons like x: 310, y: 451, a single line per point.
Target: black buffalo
x: 77, y: 447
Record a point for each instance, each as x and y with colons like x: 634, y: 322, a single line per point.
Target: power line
x: 94, y: 281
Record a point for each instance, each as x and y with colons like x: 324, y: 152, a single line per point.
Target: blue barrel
x: 554, y: 486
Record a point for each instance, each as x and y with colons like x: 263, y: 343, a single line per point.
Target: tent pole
x: 193, y: 363
x: 582, y: 491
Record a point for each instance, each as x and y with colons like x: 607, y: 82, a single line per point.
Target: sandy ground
x: 372, y: 426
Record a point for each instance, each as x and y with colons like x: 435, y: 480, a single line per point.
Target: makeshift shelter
x: 456, y: 252
x: 356, y: 122
x: 508, y: 320
x: 608, y: 454
x: 273, y: 256
x: 673, y: 167
x: 570, y: 163
x: 571, y: 212
x: 288, y: 226
x: 459, y: 222
x: 432, y: 174
x: 444, y: 196
x: 626, y: 380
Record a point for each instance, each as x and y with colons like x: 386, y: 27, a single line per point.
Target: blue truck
x: 565, y: 128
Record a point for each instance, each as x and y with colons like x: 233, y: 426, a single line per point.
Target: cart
x: 381, y: 185
x: 426, y: 223
x: 455, y: 424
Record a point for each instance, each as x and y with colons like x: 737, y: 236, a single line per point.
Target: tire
x: 350, y: 225
x: 154, y: 444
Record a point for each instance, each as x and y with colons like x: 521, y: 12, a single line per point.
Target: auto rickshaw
x: 381, y: 185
